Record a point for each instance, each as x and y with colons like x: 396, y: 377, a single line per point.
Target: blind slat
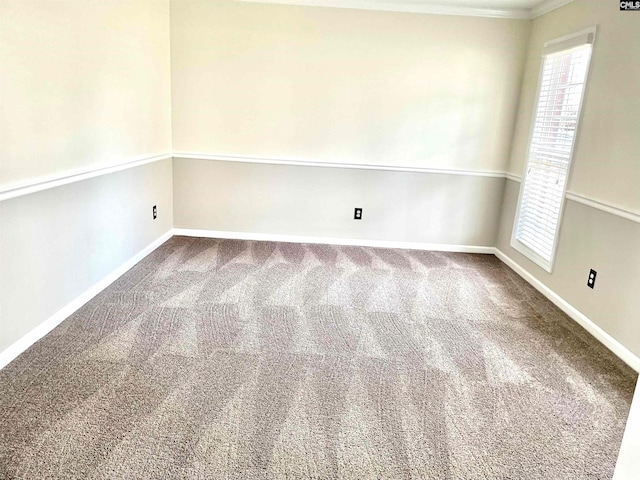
x: 553, y: 135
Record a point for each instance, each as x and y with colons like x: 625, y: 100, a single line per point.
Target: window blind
x: 560, y: 92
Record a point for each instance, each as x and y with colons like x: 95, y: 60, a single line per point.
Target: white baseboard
x: 45, y: 327
x: 603, y: 337
x: 272, y: 237
x: 57, y: 318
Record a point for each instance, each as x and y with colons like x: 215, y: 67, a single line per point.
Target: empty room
x: 319, y: 239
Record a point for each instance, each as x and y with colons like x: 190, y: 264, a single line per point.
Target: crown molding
x: 427, y: 6
x: 547, y: 6
x: 410, y: 6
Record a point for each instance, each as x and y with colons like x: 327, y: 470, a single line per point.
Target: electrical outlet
x: 155, y: 212
x: 357, y: 214
x: 591, y: 282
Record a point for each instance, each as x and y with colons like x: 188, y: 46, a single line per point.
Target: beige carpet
x: 231, y: 359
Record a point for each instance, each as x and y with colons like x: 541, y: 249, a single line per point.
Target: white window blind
x: 560, y: 92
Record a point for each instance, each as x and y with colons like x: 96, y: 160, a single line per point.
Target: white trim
x: 547, y: 6
x: 10, y: 353
x: 622, y: 212
x: 356, y: 166
x: 628, y: 464
x: 44, y: 183
x: 586, y: 36
x: 515, y: 243
x: 40, y: 184
x: 45, y: 327
x: 607, y: 207
x: 603, y: 337
x: 426, y: 6
x: 273, y: 237
x: 411, y: 6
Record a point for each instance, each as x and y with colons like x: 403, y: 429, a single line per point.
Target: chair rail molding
x: 39, y: 184
x: 312, y: 163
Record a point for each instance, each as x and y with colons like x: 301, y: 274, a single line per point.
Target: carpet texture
x: 224, y: 359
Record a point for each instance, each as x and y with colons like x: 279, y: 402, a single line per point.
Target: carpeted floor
x: 220, y: 359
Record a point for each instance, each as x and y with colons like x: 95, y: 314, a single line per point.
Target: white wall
x: 351, y: 86
x: 84, y: 84
x: 605, y: 169
x: 628, y: 464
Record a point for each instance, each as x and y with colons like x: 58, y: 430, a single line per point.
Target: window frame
x: 515, y: 243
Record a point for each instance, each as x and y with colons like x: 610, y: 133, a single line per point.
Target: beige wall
x: 606, y: 163
x: 89, y: 84
x: 350, y: 86
x: 319, y: 201
x: 85, y: 83
x: 338, y: 85
x: 605, y: 168
x: 589, y: 238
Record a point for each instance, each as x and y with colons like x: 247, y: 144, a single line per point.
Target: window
x: 565, y: 65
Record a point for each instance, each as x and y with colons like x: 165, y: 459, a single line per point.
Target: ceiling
x: 480, y: 8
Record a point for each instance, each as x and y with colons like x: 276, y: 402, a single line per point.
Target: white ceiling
x: 482, y: 8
